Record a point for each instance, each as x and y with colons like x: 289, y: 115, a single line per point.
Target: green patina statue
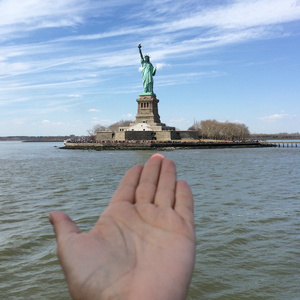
x: 148, y: 71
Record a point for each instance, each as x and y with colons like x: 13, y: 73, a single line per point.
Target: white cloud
x: 159, y: 66
x: 20, y: 17
x: 12, y: 68
x: 237, y: 15
x: 128, y: 116
x: 47, y: 122
x: 33, y: 14
x: 93, y: 110
x: 276, y: 117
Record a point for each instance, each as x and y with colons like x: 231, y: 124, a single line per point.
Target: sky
x: 68, y: 65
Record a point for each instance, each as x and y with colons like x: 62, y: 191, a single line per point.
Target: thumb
x: 62, y: 225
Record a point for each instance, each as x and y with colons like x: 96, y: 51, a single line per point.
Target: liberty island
x: 148, y: 131
x: 147, y: 125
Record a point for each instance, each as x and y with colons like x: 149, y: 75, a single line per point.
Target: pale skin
x: 141, y: 247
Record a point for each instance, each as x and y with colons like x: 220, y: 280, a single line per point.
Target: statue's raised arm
x: 140, y: 50
x: 148, y: 71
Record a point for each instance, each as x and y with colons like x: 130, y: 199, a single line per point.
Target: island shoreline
x: 150, y: 145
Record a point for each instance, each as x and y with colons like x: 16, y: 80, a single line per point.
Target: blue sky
x: 68, y: 65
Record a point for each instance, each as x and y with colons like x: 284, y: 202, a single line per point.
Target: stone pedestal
x: 148, y: 110
x: 147, y: 125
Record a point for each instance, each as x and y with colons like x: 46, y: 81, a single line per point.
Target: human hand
x: 143, y: 244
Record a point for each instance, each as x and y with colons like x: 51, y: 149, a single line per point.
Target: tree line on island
x: 215, y: 130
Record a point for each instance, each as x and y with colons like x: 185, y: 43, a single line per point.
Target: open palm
x: 143, y: 244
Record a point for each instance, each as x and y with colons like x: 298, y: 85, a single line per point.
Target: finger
x: 146, y: 189
x: 128, y: 185
x: 165, y: 193
x: 184, y: 203
x: 62, y: 225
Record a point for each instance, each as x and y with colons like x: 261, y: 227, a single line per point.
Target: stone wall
x: 119, y: 136
x: 139, y: 135
x: 105, y: 135
x: 164, y: 135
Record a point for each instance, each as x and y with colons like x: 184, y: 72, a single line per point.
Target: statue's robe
x: 148, y: 71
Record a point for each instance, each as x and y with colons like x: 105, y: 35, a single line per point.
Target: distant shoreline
x: 34, y: 139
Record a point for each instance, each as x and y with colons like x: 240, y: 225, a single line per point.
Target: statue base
x: 147, y: 125
x: 147, y: 119
x: 148, y: 110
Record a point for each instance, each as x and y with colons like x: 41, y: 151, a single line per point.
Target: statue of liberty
x: 148, y: 71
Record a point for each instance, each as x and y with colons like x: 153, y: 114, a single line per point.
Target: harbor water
x: 247, y: 215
